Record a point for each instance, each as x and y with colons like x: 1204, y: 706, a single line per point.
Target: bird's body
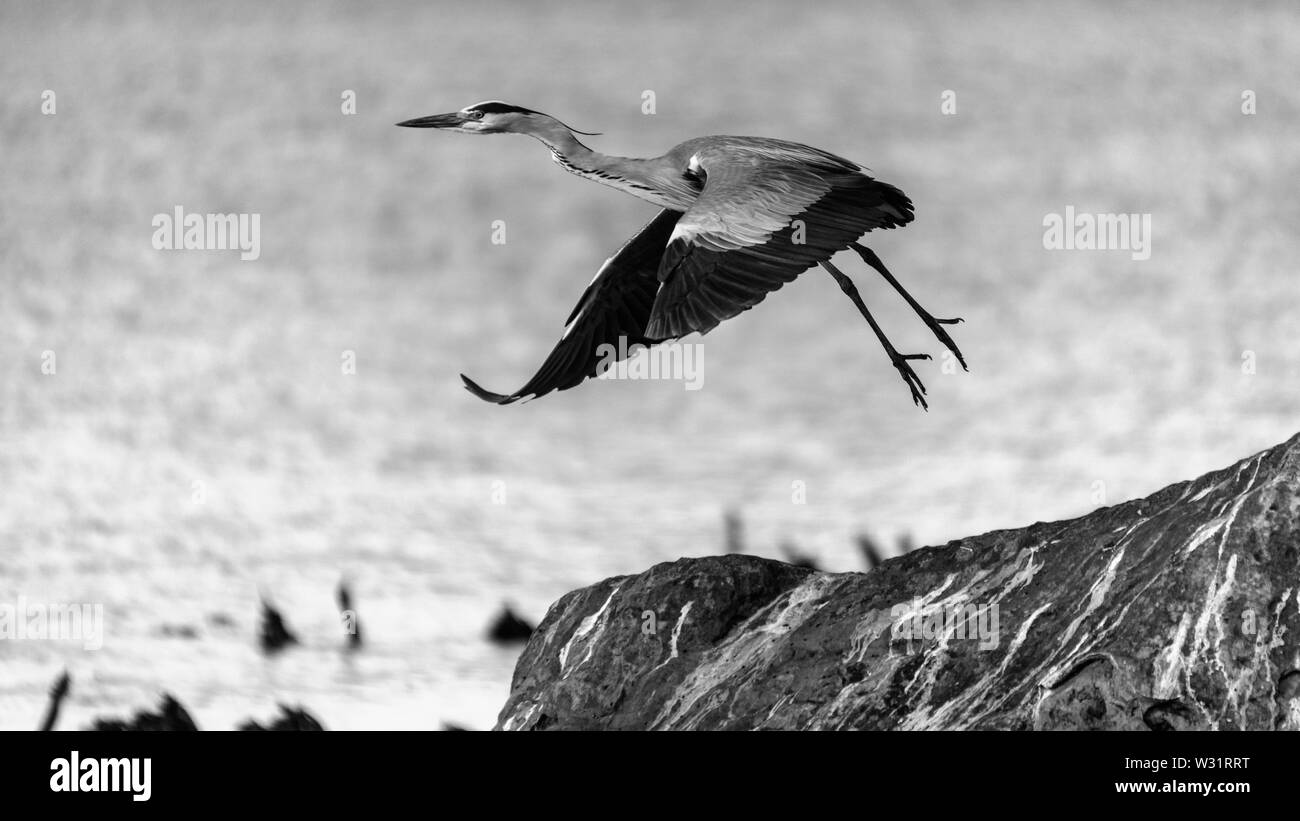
x: 673, y: 180
x: 741, y: 217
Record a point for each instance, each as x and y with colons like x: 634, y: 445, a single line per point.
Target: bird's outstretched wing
x: 616, y: 304
x: 766, y: 214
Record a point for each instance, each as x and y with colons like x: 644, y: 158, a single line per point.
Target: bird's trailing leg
x: 898, y: 359
x: 935, y: 325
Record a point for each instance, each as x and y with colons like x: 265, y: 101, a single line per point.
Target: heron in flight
x: 741, y: 217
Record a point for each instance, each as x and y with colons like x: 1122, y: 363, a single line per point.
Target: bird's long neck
x: 649, y: 179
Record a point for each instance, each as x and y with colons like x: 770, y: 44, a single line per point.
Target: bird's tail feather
x: 486, y: 395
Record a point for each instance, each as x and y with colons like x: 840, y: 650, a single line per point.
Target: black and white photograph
x: 392, y: 369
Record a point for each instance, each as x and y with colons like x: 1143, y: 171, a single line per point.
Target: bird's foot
x: 936, y: 327
x: 913, y: 381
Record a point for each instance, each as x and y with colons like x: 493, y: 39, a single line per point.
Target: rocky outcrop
x: 171, y: 717
x: 290, y: 719
x: 1178, y: 611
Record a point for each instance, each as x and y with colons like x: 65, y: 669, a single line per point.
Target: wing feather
x: 737, y: 243
x: 616, y: 304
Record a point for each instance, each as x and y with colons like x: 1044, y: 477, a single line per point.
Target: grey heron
x: 741, y: 217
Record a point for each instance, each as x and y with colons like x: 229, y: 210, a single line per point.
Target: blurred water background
x: 177, y: 368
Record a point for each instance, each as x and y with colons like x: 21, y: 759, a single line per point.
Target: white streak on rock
x: 795, y: 610
x: 677, y: 629
x: 979, y: 692
x: 1205, y: 492
x: 518, y: 720
x: 585, y: 627
x: 677, y: 632
x: 1202, y: 535
x: 1169, y: 661
x: 1097, y: 593
x: 748, y: 653
x: 1021, y: 635
x: 1216, y: 597
x: 1004, y: 584
x: 1276, y: 638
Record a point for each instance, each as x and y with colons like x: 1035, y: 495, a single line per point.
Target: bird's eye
x: 474, y: 114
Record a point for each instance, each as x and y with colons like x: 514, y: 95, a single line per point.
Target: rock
x: 798, y: 558
x: 1178, y: 611
x: 58, y: 692
x: 274, y: 634
x: 872, y: 555
x: 290, y: 719
x: 171, y: 717
x: 509, y: 628
x: 734, y: 527
x: 178, y: 631
x: 351, y: 624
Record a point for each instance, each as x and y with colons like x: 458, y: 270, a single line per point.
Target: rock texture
x: 1178, y: 611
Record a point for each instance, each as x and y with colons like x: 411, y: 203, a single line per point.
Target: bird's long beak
x: 435, y: 121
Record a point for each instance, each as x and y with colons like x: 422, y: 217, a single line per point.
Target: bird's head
x: 492, y: 117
